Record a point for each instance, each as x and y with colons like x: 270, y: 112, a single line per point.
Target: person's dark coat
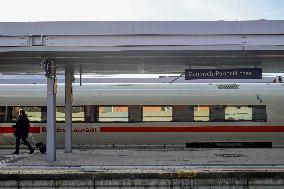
x: 22, y: 127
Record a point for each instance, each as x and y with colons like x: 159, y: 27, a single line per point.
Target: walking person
x: 22, y: 131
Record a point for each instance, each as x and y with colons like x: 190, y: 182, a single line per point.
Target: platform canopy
x: 141, y: 47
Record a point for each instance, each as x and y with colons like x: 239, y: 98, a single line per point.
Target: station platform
x: 145, y: 168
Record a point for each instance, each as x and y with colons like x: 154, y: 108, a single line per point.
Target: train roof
x: 40, y: 79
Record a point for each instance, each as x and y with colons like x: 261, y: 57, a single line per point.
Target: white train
x: 152, y: 114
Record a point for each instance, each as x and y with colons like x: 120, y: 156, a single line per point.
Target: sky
x: 139, y: 10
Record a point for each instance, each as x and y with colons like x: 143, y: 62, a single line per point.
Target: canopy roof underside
x: 141, y: 47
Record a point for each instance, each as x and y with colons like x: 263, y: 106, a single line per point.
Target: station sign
x: 237, y: 73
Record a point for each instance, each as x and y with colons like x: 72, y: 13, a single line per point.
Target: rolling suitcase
x: 39, y: 145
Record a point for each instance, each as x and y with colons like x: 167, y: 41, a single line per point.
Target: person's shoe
x: 32, y: 151
x: 15, y: 152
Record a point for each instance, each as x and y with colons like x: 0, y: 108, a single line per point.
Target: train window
x: 78, y: 114
x: 60, y: 114
x: 91, y: 113
x: 157, y: 113
x: 259, y: 113
x: 217, y: 113
x: 33, y: 112
x: 3, y: 114
x: 182, y: 113
x: 135, y: 113
x: 113, y: 114
x: 238, y: 113
x: 201, y: 113
x: 43, y: 114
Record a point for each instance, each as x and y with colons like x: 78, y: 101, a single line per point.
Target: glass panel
x: 2, y: 114
x: 238, y: 113
x: 217, y: 113
x: 182, y: 113
x: 157, y: 113
x: 259, y: 113
x: 60, y: 114
x: 201, y: 113
x: 113, y: 114
x: 91, y: 114
x: 135, y: 113
x: 78, y: 114
x: 33, y: 113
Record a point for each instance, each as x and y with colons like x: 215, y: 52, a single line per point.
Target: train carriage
x: 152, y: 113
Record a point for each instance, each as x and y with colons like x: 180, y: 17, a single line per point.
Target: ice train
x: 152, y: 113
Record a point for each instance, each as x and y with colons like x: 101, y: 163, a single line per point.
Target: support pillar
x: 50, y: 69
x: 68, y: 109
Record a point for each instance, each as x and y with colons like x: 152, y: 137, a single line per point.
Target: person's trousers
x: 25, y: 142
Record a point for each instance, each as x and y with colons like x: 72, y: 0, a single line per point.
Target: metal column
x: 50, y: 69
x: 68, y: 109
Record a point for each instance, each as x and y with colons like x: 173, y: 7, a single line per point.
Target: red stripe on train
x: 196, y: 129
x: 12, y: 130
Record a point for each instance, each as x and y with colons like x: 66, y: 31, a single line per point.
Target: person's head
x: 22, y: 112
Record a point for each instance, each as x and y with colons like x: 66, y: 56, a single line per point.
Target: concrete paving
x: 145, y: 168
x: 149, y: 158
